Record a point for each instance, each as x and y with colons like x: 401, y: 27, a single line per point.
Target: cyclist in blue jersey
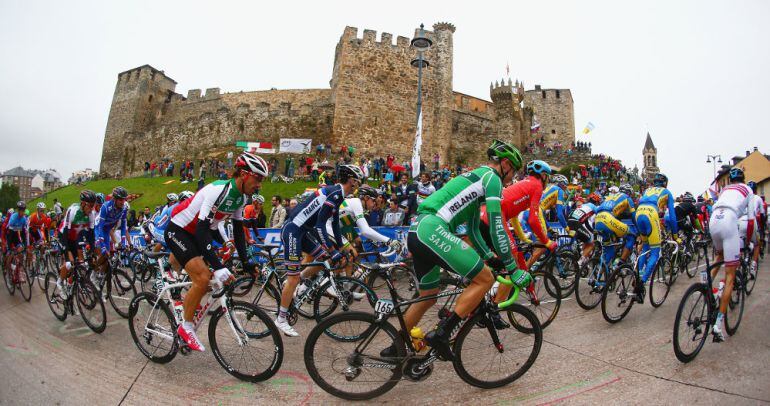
x: 111, y: 218
x: 17, y: 230
x: 305, y: 233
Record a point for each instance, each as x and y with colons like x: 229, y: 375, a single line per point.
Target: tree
x: 9, y: 196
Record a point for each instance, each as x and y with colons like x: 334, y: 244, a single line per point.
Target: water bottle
x: 418, y: 338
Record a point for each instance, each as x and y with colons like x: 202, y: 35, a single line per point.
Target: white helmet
x: 614, y: 189
x: 350, y: 171
x: 258, y: 198
x: 172, y: 197
x: 41, y: 205
x: 185, y: 195
x: 252, y: 163
x: 559, y: 179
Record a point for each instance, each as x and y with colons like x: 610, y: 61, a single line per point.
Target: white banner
x: 295, y: 145
x: 417, y: 147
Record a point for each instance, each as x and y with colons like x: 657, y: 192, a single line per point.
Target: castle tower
x: 650, y: 155
x: 510, y: 119
x: 139, y: 100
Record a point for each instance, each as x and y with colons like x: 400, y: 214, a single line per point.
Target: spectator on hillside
x: 146, y: 168
x: 292, y: 204
x: 202, y: 169
x: 277, y: 213
x: 229, y: 159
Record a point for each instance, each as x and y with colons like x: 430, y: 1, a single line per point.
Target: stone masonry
x: 370, y: 105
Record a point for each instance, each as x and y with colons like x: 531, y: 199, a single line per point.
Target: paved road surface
x: 583, y: 360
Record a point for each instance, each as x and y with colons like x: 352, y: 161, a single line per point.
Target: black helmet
x: 627, y: 189
x: 100, y: 198
x: 660, y: 180
x: 119, y: 193
x: 502, y: 150
x: 88, y: 196
x: 366, y: 190
x: 350, y: 171
x: 737, y: 174
x: 687, y: 197
x: 21, y: 205
x: 752, y: 185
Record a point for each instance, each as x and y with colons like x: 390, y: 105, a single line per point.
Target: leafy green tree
x: 9, y: 195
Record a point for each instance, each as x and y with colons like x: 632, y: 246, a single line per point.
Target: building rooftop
x: 648, y: 142
x: 19, y: 171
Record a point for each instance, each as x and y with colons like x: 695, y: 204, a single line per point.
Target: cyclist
x: 434, y: 245
x: 17, y: 229
x: 111, y: 215
x: 38, y: 225
x: 554, y: 198
x: 352, y: 216
x: 648, y: 222
x: 581, y: 221
x: 157, y: 227
x: 189, y: 234
x: 687, y: 218
x: 305, y: 233
x: 734, y: 201
x: 757, y: 206
x: 516, y: 198
x: 75, y: 227
x: 615, y: 217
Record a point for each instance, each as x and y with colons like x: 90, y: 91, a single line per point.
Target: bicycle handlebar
x: 507, y: 281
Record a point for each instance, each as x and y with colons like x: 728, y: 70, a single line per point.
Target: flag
x: 256, y: 147
x: 507, y: 69
x: 714, y: 190
x: 589, y: 127
x: 535, y: 126
x: 417, y: 146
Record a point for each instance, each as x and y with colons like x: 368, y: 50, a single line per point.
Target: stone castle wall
x: 554, y: 109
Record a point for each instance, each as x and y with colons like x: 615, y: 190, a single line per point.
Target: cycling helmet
x: 500, y: 150
x: 348, y: 171
x: 258, y: 198
x: 538, y: 166
x: 100, y: 198
x: 21, y: 205
x: 688, y: 197
x: 172, y: 197
x: 559, y: 179
x: 252, y: 163
x: 752, y: 185
x: 51, y: 214
x: 700, y: 199
x: 737, y: 174
x: 660, y: 180
x: 87, y: 196
x: 41, y: 205
x: 119, y: 193
x: 368, y: 191
x: 594, y: 198
x: 627, y: 189
x: 184, y: 195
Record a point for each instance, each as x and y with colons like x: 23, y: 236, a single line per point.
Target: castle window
x: 150, y: 99
x: 558, y: 94
x: 553, y: 131
x: 544, y: 94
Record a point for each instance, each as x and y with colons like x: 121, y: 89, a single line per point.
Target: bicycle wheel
x: 735, y: 309
x: 248, y: 345
x: 153, y: 328
x: 694, y: 264
x: 403, y: 280
x: 120, y: 292
x: 57, y: 304
x: 351, y: 291
x: 91, y: 306
x: 353, y: 369
x: 565, y: 272
x: 479, y: 350
x: 589, y: 287
x: 619, y: 294
x: 8, y: 278
x: 42, y: 270
x: 691, y: 324
x: 749, y: 281
x: 23, y: 282
x: 660, y: 282
x: 542, y: 298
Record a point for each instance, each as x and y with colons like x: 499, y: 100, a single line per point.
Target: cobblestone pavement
x: 583, y: 360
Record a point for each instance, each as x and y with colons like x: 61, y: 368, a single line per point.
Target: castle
x: 370, y: 105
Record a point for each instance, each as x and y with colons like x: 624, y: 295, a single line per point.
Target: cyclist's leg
x: 644, y: 224
x: 630, y: 238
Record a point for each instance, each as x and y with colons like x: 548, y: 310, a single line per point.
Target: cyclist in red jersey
x: 518, y: 197
x: 38, y: 224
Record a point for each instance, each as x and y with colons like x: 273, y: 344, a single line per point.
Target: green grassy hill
x: 153, y: 191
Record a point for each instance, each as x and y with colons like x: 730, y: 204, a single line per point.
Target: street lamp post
x: 714, y: 159
x: 421, y: 43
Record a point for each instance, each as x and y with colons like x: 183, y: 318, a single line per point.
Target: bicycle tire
x: 565, y: 270
x: 135, y: 327
x: 346, y: 286
x: 275, y: 345
x: 735, y: 309
x: 693, y: 270
x: 120, y: 291
x: 313, y: 357
x: 57, y: 305
x: 42, y: 270
x: 540, y: 309
x: 701, y: 322
x: 482, y: 381
x: 591, y: 295
x: 89, y: 300
x: 749, y: 282
x: 618, y: 286
x: 24, y: 283
x: 8, y: 279
x: 661, y: 277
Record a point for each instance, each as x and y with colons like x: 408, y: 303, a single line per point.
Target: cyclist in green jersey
x: 434, y: 245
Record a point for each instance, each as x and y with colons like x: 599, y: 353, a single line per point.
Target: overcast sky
x: 693, y: 73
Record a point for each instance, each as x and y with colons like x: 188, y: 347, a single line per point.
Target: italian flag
x: 256, y: 147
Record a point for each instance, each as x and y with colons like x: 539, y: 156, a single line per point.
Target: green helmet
x: 500, y: 150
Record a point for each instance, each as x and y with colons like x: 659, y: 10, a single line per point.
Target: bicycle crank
x: 415, y: 372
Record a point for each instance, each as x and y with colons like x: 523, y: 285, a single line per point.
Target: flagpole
x: 421, y: 43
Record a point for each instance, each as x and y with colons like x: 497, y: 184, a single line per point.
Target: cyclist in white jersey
x: 755, y: 206
x: 733, y: 202
x: 189, y: 234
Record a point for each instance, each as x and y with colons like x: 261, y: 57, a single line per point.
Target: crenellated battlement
x: 502, y: 91
x: 143, y: 72
x: 369, y: 37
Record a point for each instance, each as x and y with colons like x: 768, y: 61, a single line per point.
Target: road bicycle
x: 117, y: 286
x: 243, y: 338
x: 594, y: 275
x: 343, y: 352
x: 80, y: 291
x: 698, y: 310
x: 281, y: 178
x: 16, y: 275
x: 562, y: 264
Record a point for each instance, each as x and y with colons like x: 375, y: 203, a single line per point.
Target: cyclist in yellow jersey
x: 655, y: 199
x: 615, y: 216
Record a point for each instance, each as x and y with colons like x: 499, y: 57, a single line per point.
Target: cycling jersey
x: 663, y: 200
x: 110, y: 218
x: 75, y: 227
x: 734, y: 202
x: 619, y: 205
x: 648, y: 223
x: 158, y: 224
x: 351, y: 216
x: 687, y: 217
x: 581, y: 221
x: 755, y: 206
x: 554, y: 198
x: 17, y: 231
x: 423, y: 191
x: 38, y: 225
x: 218, y: 201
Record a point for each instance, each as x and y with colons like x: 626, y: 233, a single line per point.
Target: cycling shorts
x: 743, y: 225
x: 104, y: 239
x: 584, y: 231
x: 725, y: 235
x: 608, y: 225
x: 434, y: 246
x: 648, y: 223
x: 36, y: 236
x: 15, y: 238
x: 181, y: 243
x: 297, y: 240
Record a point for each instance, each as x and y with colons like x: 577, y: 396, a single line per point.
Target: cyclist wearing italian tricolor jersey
x: 189, y: 234
x: 76, y: 227
x: 434, y: 245
x: 734, y: 201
